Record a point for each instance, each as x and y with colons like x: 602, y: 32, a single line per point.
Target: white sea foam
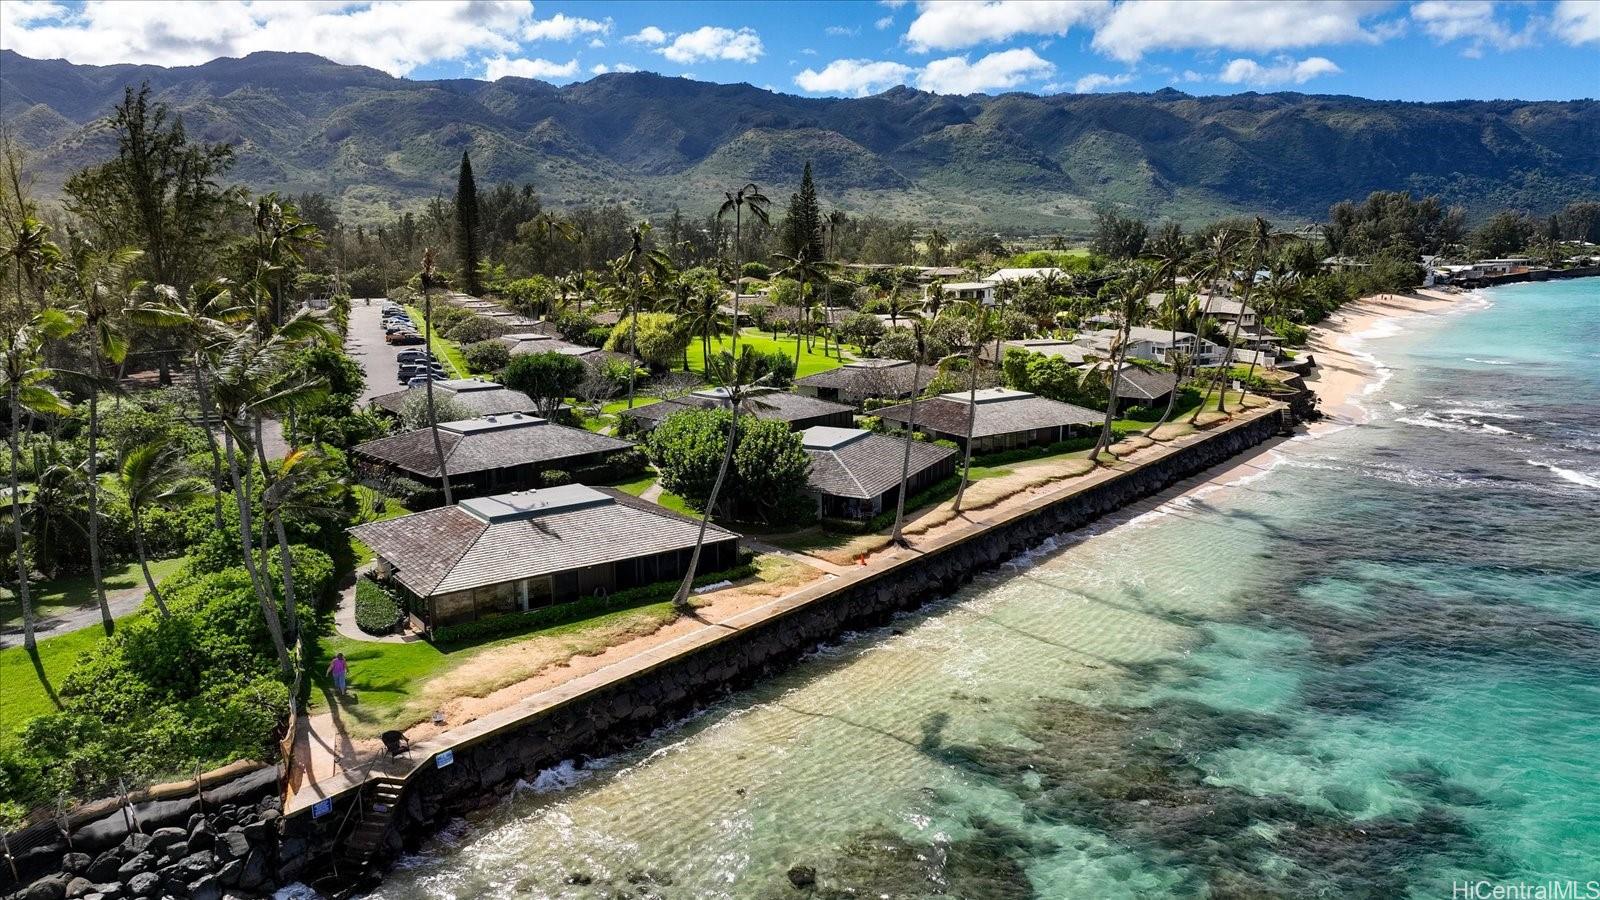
x: 1398, y: 407
x: 559, y: 777
x: 1489, y: 362
x: 1427, y: 420
x: 1484, y: 412
x: 1583, y: 479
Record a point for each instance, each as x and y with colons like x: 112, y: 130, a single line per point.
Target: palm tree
x: 1215, y: 268
x: 300, y: 485
x: 981, y: 322
x: 633, y: 277
x: 737, y: 378
x: 749, y: 198
x: 26, y: 377
x: 802, y: 268
x: 831, y: 223
x: 428, y: 281
x: 1178, y: 307
x: 919, y: 354
x: 206, y: 319
x: 102, y: 286
x: 1127, y: 300
x: 154, y: 476
x: 937, y: 244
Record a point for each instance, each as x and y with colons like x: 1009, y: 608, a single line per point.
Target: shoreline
x: 1345, y: 372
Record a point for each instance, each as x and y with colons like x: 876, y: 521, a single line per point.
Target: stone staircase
x: 380, y: 797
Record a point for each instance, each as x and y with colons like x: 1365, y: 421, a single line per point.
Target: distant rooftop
x: 988, y: 395
x: 460, y: 385
x: 491, y: 423
x: 532, y: 504
x: 828, y: 437
x: 875, y: 363
x: 1025, y: 274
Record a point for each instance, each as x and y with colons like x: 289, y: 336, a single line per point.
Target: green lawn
x: 25, y: 697
x: 617, y: 406
x: 372, y: 506
x: 637, y: 486
x: 811, y: 359
x: 74, y: 591
x: 445, y: 351
x: 389, y: 679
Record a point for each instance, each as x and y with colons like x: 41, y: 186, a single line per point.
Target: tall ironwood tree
x: 467, y: 226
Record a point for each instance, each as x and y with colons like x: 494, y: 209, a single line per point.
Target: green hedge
x: 378, y: 611
x: 588, y: 607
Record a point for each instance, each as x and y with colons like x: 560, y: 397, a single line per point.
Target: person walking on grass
x: 340, y: 670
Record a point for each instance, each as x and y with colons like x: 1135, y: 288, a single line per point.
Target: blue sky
x: 1424, y: 50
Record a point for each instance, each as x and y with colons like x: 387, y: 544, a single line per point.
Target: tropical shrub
x: 470, y: 330
x: 378, y: 610
x: 486, y: 356
x: 767, y: 480
x: 661, y: 341
x: 545, y: 377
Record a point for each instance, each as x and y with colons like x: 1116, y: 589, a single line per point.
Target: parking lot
x: 365, y: 345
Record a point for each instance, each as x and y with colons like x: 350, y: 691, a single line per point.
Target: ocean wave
x: 1427, y: 420
x: 559, y: 777
x: 1483, y: 412
x: 1490, y: 362
x: 1582, y: 479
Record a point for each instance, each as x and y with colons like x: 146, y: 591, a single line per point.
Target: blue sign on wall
x: 445, y: 758
x: 322, y: 808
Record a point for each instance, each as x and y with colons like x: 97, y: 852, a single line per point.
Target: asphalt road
x: 365, y: 345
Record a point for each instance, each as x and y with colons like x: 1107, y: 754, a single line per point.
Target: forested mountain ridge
x: 1016, y: 161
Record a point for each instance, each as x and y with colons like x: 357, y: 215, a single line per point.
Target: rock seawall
x: 607, y: 720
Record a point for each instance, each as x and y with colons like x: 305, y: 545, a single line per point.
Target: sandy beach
x: 1345, y: 370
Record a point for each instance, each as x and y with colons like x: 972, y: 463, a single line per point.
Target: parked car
x: 405, y: 373
x: 398, y: 325
x: 403, y: 338
x: 405, y: 356
x: 422, y: 380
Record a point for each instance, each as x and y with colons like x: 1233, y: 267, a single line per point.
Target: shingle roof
x: 857, y: 463
x: 998, y: 413
x: 873, y: 378
x: 452, y: 549
x: 477, y: 445
x: 780, y: 406
x: 1136, y: 383
x: 491, y: 400
x: 1071, y: 352
x: 538, y: 342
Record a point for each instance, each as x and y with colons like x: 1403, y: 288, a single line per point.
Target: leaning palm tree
x: 154, y: 476
x: 299, y: 486
x: 26, y: 379
x: 205, y: 319
x: 737, y: 379
x: 919, y: 355
x: 981, y: 322
x: 1215, y: 269
x: 429, y: 280
x: 101, y: 287
x: 1126, y: 295
x: 1178, y: 307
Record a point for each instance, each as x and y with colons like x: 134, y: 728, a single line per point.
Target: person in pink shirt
x: 339, y: 669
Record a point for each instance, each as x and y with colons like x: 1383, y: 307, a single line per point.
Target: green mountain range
x: 1016, y: 162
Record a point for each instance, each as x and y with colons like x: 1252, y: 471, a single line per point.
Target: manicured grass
x: 372, y: 506
x: 390, y: 680
x: 77, y: 591
x: 24, y: 696
x: 676, y: 504
x: 617, y: 406
x: 811, y: 359
x: 445, y: 351
x: 637, y: 486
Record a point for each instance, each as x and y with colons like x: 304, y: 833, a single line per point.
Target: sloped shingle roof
x: 452, y: 549
x: 780, y: 406
x: 1001, y: 414
x: 468, y: 449
x: 869, y: 378
x: 865, y: 465
x: 493, y: 401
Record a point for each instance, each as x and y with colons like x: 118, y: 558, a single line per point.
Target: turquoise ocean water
x: 1368, y: 667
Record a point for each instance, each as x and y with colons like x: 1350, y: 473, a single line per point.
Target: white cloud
x: 1577, y: 21
x: 842, y: 31
x: 1473, y: 21
x: 602, y: 68
x: 649, y: 34
x: 497, y: 67
x: 711, y: 42
x: 564, y: 28
x: 1134, y: 29
x: 596, y: 43
x: 1282, y: 71
x: 1090, y: 83
x: 883, y: 23
x: 953, y: 24
x: 386, y: 34
x: 1005, y: 69
x: 23, y: 12
x: 858, y: 77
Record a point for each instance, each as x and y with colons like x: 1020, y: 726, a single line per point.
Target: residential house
x: 1036, y: 274
x: 798, y: 411
x: 860, y: 380
x: 855, y: 474
x: 525, y: 550
x: 481, y: 398
x: 487, y: 455
x: 1073, y: 352
x: 1002, y: 419
x: 968, y: 291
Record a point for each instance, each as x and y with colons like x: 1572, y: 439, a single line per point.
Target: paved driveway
x: 365, y: 345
